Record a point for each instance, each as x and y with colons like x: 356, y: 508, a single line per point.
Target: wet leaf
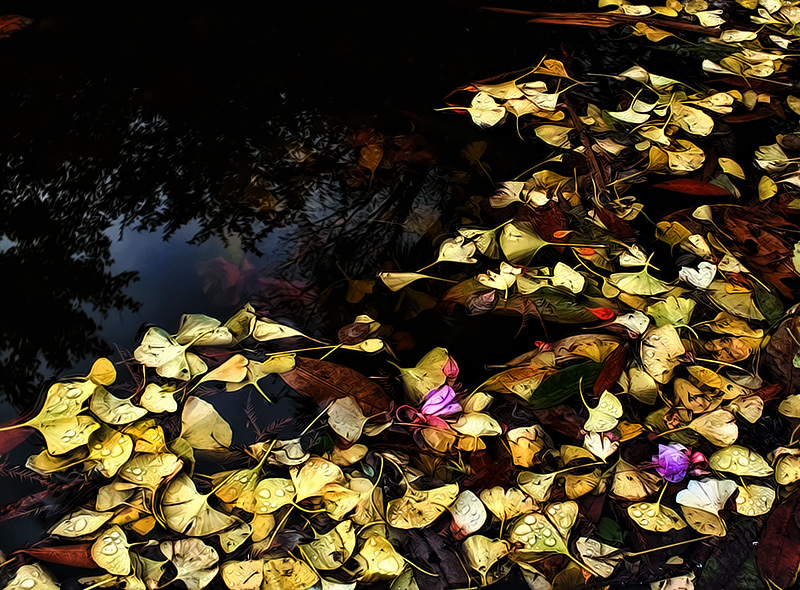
x: 196, y: 563
x: 110, y: 552
x: 188, y: 512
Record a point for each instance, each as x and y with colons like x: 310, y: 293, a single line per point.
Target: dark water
x: 173, y: 158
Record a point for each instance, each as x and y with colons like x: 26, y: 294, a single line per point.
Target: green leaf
x: 768, y: 304
x: 558, y: 388
x: 610, y: 531
x: 732, y: 565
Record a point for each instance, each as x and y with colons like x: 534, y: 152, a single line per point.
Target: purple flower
x: 672, y: 462
x: 441, y: 402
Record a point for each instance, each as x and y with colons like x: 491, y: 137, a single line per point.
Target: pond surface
x: 187, y: 159
x: 135, y: 144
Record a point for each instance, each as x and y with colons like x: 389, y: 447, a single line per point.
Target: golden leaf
x: 754, y: 500
x: 110, y: 450
x: 273, y: 493
x: 196, y: 563
x: 379, y: 560
x: 170, y: 359
x: 81, y: 522
x: 188, y: 512
x: 482, y: 553
x: 655, y: 517
x: 536, y: 485
x: 243, y: 575
x: 661, y: 349
x: 110, y: 552
x: 316, y: 473
x: 159, y: 398
x: 148, y: 470
x: 266, y: 329
x: 419, y: 508
x: 331, y: 550
x: 288, y: 574
x: 32, y: 577
x: 701, y: 502
x: 718, y: 427
x: 507, y: 504
x: 740, y: 461
x: 113, y: 410
x: 428, y: 374
x: 605, y: 415
x: 632, y: 484
x: 346, y: 418
x: 203, y: 428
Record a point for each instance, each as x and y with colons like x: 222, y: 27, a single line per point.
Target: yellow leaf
x: 148, y: 470
x: 482, y: 553
x: 507, y: 504
x: 526, y: 443
x: 536, y: 485
x: 32, y: 577
x: 555, y: 135
x: 419, y: 508
x: 654, y: 517
x: 520, y: 242
x: 266, y: 330
x: 731, y: 167
x: 170, y: 358
x: 273, y: 493
x: 159, y: 398
x: 188, y: 512
x: 113, y: 410
x: 316, y: 473
x: 243, y: 575
x: 754, y: 500
x: 331, y: 550
x: 605, y: 415
x: 766, y: 188
x: 346, y: 418
x: 660, y: 352
x: 103, y: 372
x: 379, y: 560
x: 110, y: 552
x: 639, y: 283
x: 196, y: 563
x: 81, y: 522
x: 740, y: 461
x: 701, y: 502
x: 653, y: 34
x: 203, y: 428
x: 718, y: 427
x: 427, y: 375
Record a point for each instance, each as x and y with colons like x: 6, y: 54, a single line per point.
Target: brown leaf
x: 692, y: 187
x: 325, y: 382
x: 370, y: 157
x: 12, y: 23
x: 778, y: 550
x: 73, y: 555
x: 612, y: 369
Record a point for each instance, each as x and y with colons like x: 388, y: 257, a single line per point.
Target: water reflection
x: 295, y: 200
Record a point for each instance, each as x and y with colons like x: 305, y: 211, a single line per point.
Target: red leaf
x: 769, y: 392
x: 778, y: 550
x: 602, y: 313
x: 11, y: 23
x: 611, y: 370
x: 11, y: 439
x: 73, y: 555
x: 325, y: 382
x: 692, y: 187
